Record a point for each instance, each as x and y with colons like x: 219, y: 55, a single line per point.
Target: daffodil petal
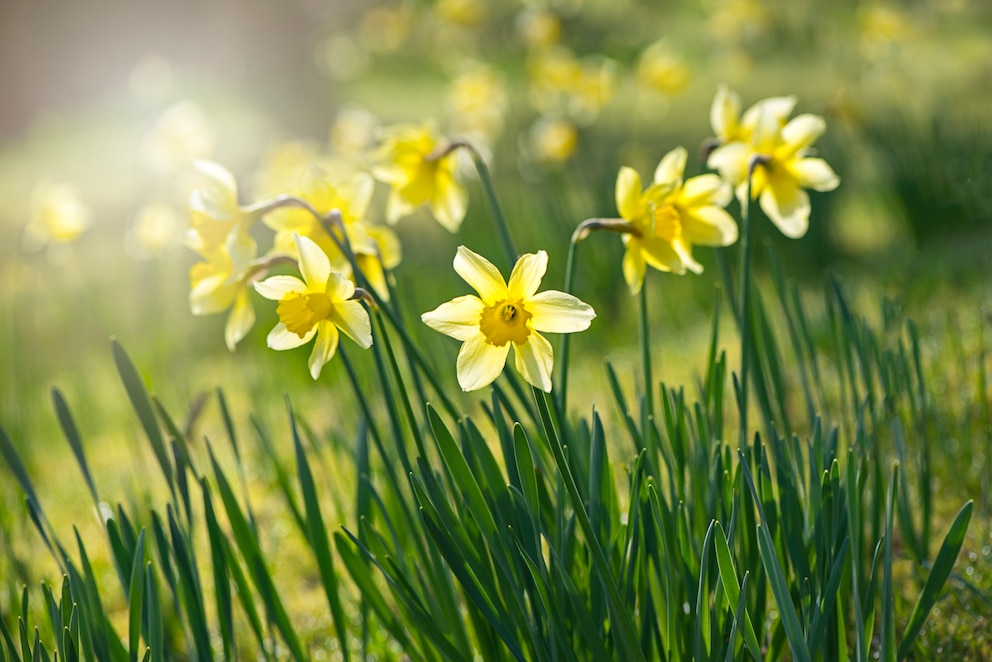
x: 211, y: 295
x: 324, y: 348
x: 634, y: 266
x: 280, y: 337
x: 559, y: 312
x: 527, y: 274
x: 480, y: 363
x: 397, y: 207
x: 802, y: 131
x: 275, y: 288
x: 774, y: 109
x: 480, y: 273
x: 314, y: 264
x: 671, y: 167
x: 709, y: 226
x: 684, y: 251
x: 724, y: 112
x: 661, y: 255
x: 339, y: 288
x: 239, y: 320
x: 449, y: 202
x: 731, y: 162
x: 705, y: 190
x: 352, y: 318
x: 358, y: 194
x: 787, y: 206
x: 815, y: 174
x: 388, y: 245
x: 628, y: 194
x: 458, y: 318
x: 534, y: 360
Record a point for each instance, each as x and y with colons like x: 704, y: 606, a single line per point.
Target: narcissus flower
x: 319, y: 305
x: 780, y: 151
x: 218, y: 223
x: 215, y: 287
x: 503, y: 315
x: 669, y: 217
x: 57, y: 217
x: 406, y: 161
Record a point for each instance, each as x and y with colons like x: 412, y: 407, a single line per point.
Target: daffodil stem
x: 620, y: 621
x: 566, y: 342
x: 487, y: 183
x: 646, y: 350
x: 744, y: 309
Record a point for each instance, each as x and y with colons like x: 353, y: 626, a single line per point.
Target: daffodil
x: 215, y: 287
x: 670, y: 217
x: 779, y: 150
x: 408, y: 162
x: 57, y: 218
x: 375, y: 247
x: 504, y: 315
x: 218, y: 222
x: 318, y: 305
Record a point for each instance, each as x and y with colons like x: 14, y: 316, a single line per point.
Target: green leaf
x: 136, y: 597
x: 75, y: 441
x: 941, y: 570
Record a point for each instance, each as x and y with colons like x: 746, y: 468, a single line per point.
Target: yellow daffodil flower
x: 318, y: 305
x: 375, y: 247
x: 215, y: 287
x: 415, y: 180
x: 670, y: 216
x: 57, y: 217
x: 552, y: 140
x: 783, y: 168
x: 218, y: 223
x: 504, y: 315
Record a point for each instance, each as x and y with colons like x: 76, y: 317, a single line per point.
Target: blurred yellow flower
x: 670, y: 217
x: 56, y: 217
x: 375, y: 247
x: 728, y: 124
x: 218, y: 223
x: 464, y: 13
x: 660, y: 69
x: 215, y: 286
x: 552, y: 140
x: 539, y: 27
x: 353, y: 131
x: 406, y: 161
x: 157, y: 227
x: 385, y: 29
x: 783, y: 168
x: 181, y: 135
x: 477, y: 102
x: 505, y: 314
x: 318, y: 305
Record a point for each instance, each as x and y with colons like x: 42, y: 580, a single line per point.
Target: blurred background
x: 106, y: 104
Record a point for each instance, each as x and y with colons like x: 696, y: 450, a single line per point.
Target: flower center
x: 667, y: 223
x: 300, y: 312
x: 504, y: 322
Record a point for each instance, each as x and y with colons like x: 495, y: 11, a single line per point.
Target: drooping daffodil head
x: 319, y: 305
x: 775, y: 154
x: 671, y: 216
x: 409, y: 163
x: 504, y: 315
x: 218, y: 223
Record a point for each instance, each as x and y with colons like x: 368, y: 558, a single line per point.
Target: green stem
x: 744, y: 309
x: 646, y: 350
x: 624, y: 634
x: 566, y: 341
x: 487, y: 183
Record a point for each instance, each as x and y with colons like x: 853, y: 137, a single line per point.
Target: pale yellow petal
x: 559, y: 312
x: 458, y: 318
x: 534, y: 360
x: 684, y: 251
x: 480, y: 273
x: 339, y: 288
x: 240, y: 320
x: 211, y: 295
x: 787, y: 206
x: 388, y: 244
x: 324, y: 348
x: 774, y: 109
x: 314, y: 264
x: 814, y: 173
x: 724, y: 112
x: 275, y: 288
x: 352, y: 318
x: 731, y: 162
x: 662, y: 256
x: 705, y: 190
x: 242, y: 249
x: 282, y: 338
x: 634, y: 266
x: 709, y: 226
x: 670, y: 168
x: 628, y: 194
x: 802, y: 131
x: 449, y: 202
x: 397, y: 207
x: 480, y: 363
x: 527, y: 274
x: 358, y: 194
